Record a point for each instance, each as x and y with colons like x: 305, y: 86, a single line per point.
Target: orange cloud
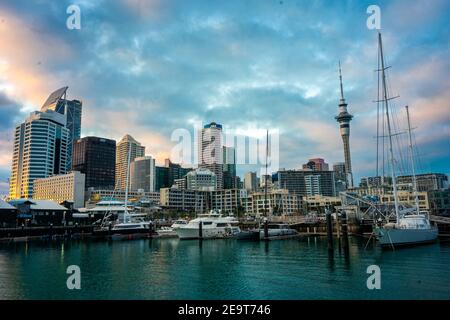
x: 24, y: 52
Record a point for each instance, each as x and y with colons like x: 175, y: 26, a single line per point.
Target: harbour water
x: 221, y: 269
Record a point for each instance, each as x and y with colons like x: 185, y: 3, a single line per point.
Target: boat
x: 277, y: 231
x: 166, y: 232
x: 251, y: 234
x: 178, y: 223
x: 127, y: 226
x: 209, y: 226
x: 410, y: 227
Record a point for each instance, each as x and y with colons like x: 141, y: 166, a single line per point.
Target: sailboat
x: 411, y: 227
x: 127, y: 226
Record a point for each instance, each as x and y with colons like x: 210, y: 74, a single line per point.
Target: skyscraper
x: 316, y: 164
x: 122, y: 148
x: 96, y: 158
x: 229, y: 168
x: 57, y: 101
x: 250, y: 181
x: 344, y: 119
x: 143, y: 174
x: 40, y: 150
x: 210, y: 150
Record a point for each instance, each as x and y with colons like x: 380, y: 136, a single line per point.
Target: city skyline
x: 164, y: 71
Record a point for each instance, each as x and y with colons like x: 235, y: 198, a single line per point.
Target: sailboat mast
x: 126, y: 181
x: 391, y: 151
x: 411, y: 151
x: 265, y: 179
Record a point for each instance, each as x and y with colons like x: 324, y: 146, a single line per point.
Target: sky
x: 147, y: 68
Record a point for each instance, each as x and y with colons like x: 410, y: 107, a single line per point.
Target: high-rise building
x: 142, y: 174
x: 201, y: 179
x: 312, y: 184
x: 210, y: 150
x: 229, y: 168
x: 250, y: 181
x: 57, y: 101
x: 162, y: 178
x: 344, y: 119
x: 60, y: 188
x: 301, y: 182
x: 122, y: 149
x: 316, y: 164
x: 339, y: 171
x: 40, y: 150
x: 175, y: 171
x: 96, y: 158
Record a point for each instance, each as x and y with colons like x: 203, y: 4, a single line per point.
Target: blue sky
x: 149, y: 67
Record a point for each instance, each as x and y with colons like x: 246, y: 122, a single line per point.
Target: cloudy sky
x: 149, y: 67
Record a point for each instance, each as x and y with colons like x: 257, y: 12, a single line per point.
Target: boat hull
x: 278, y: 234
x: 405, y: 237
x: 207, y: 233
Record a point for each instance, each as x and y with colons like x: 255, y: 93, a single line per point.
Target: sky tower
x: 344, y: 119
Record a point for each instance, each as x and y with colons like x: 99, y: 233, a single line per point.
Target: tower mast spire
x: 344, y: 119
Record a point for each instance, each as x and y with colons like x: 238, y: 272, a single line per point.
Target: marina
x: 221, y: 269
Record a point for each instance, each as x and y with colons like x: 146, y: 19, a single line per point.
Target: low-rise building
x: 180, y: 199
x: 40, y: 212
x: 279, y: 202
x: 439, y: 202
x: 320, y: 203
x: 7, y: 214
x: 66, y: 187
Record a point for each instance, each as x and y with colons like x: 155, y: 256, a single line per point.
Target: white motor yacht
x: 213, y: 226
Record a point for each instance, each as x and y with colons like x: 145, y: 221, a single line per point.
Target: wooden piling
x: 344, y: 231
x: 329, y: 231
x: 200, y: 230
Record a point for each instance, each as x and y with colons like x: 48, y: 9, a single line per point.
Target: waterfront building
x: 316, y: 164
x: 408, y: 197
x: 279, y: 202
x: 185, y: 200
x: 58, y: 102
x: 319, y: 203
x: 96, y: 158
x: 96, y: 195
x: 425, y: 182
x: 250, y: 181
x: 227, y: 201
x: 229, y: 168
x: 142, y: 174
x: 39, y: 212
x: 124, y: 145
x: 439, y: 202
x: 40, y: 150
x: 59, y: 188
x: 344, y: 119
x: 8, y: 215
x: 201, y: 179
x: 210, y: 152
x: 307, y: 182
